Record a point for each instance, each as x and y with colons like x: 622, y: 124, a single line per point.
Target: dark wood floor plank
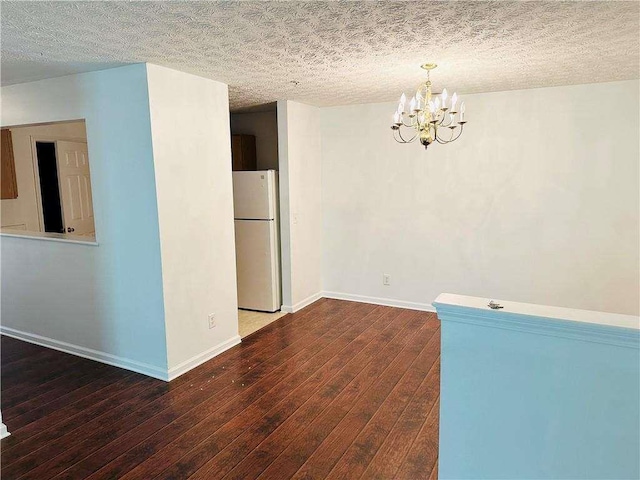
x: 76, y: 389
x: 84, y: 415
x: 394, y: 449
x: 103, y: 430
x: 310, y: 397
x: 323, y: 444
x: 14, y: 350
x: 360, y: 453
x: 434, y: 472
x: 187, y: 452
x: 40, y: 370
x: 112, y: 417
x: 339, y: 389
x: 197, y: 406
x: 423, y: 454
x: 65, y: 419
x: 26, y: 391
x: 57, y: 392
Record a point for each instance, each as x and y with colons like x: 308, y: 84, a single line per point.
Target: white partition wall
x: 164, y: 260
x: 192, y: 159
x: 300, y: 203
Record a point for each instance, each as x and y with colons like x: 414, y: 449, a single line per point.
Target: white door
x: 257, y: 265
x: 75, y: 188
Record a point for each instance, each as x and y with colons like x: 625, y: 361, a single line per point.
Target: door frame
x: 36, y: 171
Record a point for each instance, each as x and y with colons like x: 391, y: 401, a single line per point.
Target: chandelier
x: 427, y: 118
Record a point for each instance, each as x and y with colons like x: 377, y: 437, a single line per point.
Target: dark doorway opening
x: 49, y: 188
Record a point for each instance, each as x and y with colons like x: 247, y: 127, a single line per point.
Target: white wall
x: 24, y: 209
x: 300, y: 203
x: 264, y: 126
x: 537, y: 202
x: 192, y: 156
x: 106, y: 300
x: 3, y: 428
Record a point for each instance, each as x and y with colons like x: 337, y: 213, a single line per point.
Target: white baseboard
x: 199, y: 359
x: 103, y: 357
x: 116, y: 361
x: 170, y: 374
x: 423, y: 307
x: 3, y: 431
x: 300, y: 305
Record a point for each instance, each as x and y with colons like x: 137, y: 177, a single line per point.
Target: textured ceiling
x: 329, y: 53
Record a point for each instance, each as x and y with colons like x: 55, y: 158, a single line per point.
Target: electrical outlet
x: 386, y: 279
x: 212, y: 320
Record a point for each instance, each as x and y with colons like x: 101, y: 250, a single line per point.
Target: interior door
x: 75, y: 188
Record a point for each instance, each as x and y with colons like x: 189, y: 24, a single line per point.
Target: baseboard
x: 424, y: 307
x: 98, y: 356
x: 199, y: 359
x: 300, y: 305
x: 3, y: 431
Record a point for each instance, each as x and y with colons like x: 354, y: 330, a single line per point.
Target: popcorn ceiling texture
x: 339, y: 52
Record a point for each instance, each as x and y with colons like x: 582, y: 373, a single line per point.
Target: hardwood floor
x: 339, y: 390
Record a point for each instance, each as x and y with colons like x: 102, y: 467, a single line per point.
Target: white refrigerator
x: 255, y: 207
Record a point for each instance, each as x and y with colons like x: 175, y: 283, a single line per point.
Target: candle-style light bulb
x: 437, y: 103
x: 454, y: 100
x: 412, y: 105
x: 419, y: 100
x: 397, y: 118
x: 452, y: 120
x: 432, y: 107
x: 403, y: 100
x: 444, y: 98
x: 462, y: 109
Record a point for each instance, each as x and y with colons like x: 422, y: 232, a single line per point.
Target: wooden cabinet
x: 243, y: 152
x: 9, y: 185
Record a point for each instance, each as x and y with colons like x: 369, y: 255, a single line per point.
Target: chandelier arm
x: 395, y: 137
x: 442, y: 124
x: 452, y: 139
x: 441, y: 142
x: 412, y: 123
x: 444, y: 141
x: 409, y: 125
x: 403, y: 140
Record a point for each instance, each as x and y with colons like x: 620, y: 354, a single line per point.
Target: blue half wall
x: 529, y: 396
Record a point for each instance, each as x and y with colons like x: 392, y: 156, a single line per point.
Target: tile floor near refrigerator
x: 250, y: 321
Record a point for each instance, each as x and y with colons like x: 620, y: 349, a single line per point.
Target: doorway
x: 256, y: 212
x: 66, y: 203
x: 49, y: 187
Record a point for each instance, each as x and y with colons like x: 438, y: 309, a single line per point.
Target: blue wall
x: 537, y: 404
x: 106, y: 300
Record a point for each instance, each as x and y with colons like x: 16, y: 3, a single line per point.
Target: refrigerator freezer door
x: 254, y: 195
x: 258, y: 265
